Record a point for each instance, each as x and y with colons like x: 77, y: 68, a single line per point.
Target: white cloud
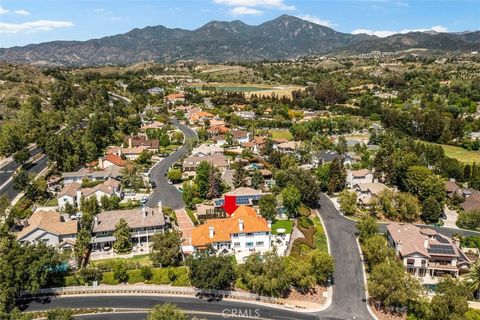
x: 276, y: 4
x: 32, y: 26
x: 99, y: 10
x: 317, y: 20
x: 386, y: 33
x: 22, y: 12
x: 238, y: 11
x: 3, y: 11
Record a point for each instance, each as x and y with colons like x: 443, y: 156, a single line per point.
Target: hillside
x: 282, y: 38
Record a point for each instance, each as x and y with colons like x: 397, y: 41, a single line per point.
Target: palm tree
x: 474, y: 278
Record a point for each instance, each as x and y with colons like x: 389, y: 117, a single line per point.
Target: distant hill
x: 282, y: 38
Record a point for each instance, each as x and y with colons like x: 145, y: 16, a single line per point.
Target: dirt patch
x: 384, y: 315
x: 315, y: 295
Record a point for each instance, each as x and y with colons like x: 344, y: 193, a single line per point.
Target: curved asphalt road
x: 168, y: 194
x: 349, y: 299
x: 193, y: 306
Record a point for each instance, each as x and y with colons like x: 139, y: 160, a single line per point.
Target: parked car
x: 144, y: 199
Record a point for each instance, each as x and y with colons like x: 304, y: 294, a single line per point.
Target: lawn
x: 281, y: 134
x: 461, y: 154
x: 320, y: 238
x: 285, y: 224
x: 143, y: 260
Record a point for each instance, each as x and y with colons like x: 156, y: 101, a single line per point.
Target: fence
x: 152, y: 289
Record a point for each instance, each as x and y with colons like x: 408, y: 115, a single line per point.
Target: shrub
x: 304, y: 211
x: 135, y: 276
x: 109, y: 278
x: 120, y: 272
x: 146, y: 273
x: 305, y: 222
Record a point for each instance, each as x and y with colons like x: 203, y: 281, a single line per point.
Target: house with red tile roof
x: 243, y: 231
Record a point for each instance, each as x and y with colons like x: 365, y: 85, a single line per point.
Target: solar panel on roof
x: 441, y: 249
x: 441, y: 239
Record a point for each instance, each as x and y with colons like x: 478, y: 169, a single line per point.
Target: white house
x: 73, y: 192
x: 244, y: 230
x: 355, y: 177
x: 49, y: 227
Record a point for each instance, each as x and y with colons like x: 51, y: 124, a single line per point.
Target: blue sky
x: 34, y: 21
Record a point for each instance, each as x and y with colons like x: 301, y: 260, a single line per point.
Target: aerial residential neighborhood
x: 240, y: 159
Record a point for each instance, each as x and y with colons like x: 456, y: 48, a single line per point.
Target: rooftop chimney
x: 399, y: 247
x: 269, y: 223
x: 95, y: 219
x: 425, y: 243
x: 160, y: 210
x: 144, y: 212
x: 240, y: 224
x: 100, y: 162
x: 129, y: 141
x: 211, y: 231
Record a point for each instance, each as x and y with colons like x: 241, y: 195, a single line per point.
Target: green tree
x: 21, y: 156
x: 367, y: 227
x: 110, y: 203
x: 421, y: 181
x: 166, y: 311
x: 323, y: 176
x: 131, y: 177
x: 82, y: 244
x: 469, y: 220
x: 21, y: 181
x: 189, y: 192
x: 202, y: 178
x: 375, y: 251
x: 322, y: 265
x: 268, y: 207
x: 431, y: 210
x: 348, y: 202
x: 257, y: 179
x: 120, y: 272
x: 473, y: 278
x: 451, y: 299
x: 291, y: 200
x: 123, y: 242
x: 299, y: 273
x: 177, y: 137
x: 174, y: 175
x: 165, y: 248
x: 265, y: 275
x: 337, y: 177
x: 214, y: 183
x: 211, y: 272
x: 239, y: 176
x: 391, y: 287
x: 342, y: 146
x: 146, y: 272
x: 408, y: 207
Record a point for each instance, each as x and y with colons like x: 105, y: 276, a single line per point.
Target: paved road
x: 194, y: 306
x: 349, y: 298
x: 165, y: 192
x: 36, y: 167
x: 7, y: 170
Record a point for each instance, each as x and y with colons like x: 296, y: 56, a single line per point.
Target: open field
x: 282, y: 224
x: 250, y: 89
x: 281, y: 134
x: 461, y: 154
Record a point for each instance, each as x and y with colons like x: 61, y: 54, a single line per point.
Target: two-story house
x: 143, y: 223
x: 244, y: 230
x: 426, y: 253
x: 49, y: 227
x: 72, y: 193
x: 356, y: 177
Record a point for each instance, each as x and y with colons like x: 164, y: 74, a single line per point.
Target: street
x: 165, y: 192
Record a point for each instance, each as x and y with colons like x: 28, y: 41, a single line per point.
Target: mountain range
x: 282, y: 38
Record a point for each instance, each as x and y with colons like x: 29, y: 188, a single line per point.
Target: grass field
x: 281, y: 134
x: 320, y: 238
x: 249, y: 89
x: 460, y: 154
x: 143, y: 260
x: 285, y: 224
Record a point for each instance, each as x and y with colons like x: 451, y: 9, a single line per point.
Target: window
x: 421, y: 272
x: 259, y: 244
x: 411, y: 270
x: 410, y: 261
x: 424, y: 263
x: 249, y: 244
x: 235, y: 235
x: 249, y: 234
x: 236, y: 244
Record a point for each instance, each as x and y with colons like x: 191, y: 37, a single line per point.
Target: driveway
x: 168, y: 194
